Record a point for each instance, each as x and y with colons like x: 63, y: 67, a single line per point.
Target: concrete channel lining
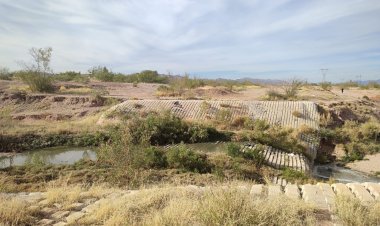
x: 274, y: 112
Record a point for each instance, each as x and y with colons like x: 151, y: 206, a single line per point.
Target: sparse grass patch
x: 352, y: 212
x: 14, y: 211
x: 186, y: 206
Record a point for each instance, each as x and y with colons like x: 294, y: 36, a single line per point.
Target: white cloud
x: 192, y: 35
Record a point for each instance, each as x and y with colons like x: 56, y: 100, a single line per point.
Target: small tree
x: 41, y: 57
x: 36, y: 75
x: 5, y: 74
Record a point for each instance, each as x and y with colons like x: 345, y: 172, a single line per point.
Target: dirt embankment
x: 23, y: 106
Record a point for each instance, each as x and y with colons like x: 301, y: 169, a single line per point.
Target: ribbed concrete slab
x: 342, y: 189
x: 361, y: 192
x: 257, y: 190
x: 292, y: 191
x: 374, y: 189
x: 274, y: 191
x: 275, y: 112
x: 328, y: 193
x: 313, y: 194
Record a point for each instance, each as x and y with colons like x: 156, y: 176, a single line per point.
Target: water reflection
x: 55, y: 156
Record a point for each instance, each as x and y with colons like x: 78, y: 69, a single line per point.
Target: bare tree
x: 41, y: 57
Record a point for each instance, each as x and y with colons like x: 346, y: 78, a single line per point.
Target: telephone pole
x: 324, y: 72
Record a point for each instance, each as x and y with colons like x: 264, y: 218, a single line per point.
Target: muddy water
x: 208, y: 147
x: 70, y: 155
x: 341, y: 174
x: 55, y: 156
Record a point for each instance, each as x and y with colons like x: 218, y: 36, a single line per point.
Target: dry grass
x: 352, y: 212
x: 79, y: 90
x: 191, y: 206
x: 69, y: 194
x: 15, y: 127
x: 297, y: 114
x: 14, y: 211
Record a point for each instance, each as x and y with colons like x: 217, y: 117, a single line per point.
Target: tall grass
x: 186, y: 206
x: 352, y: 212
x: 14, y: 211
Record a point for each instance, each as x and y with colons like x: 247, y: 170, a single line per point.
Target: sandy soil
x: 148, y: 91
x: 371, y: 166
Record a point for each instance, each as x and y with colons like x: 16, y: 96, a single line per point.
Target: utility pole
x: 324, y: 72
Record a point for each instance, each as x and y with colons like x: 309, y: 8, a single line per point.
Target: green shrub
x: 167, y: 128
x: 71, y: 76
x: 102, y: 74
x: 151, y: 157
x: 183, y: 158
x: 293, y: 175
x: 5, y: 74
x: 36, y: 81
x: 233, y: 150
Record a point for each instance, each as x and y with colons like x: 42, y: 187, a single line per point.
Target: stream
x: 54, y: 156
x: 70, y: 155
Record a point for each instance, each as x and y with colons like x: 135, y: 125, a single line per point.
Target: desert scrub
x: 359, y: 139
x: 352, y: 212
x: 278, y: 137
x: 36, y: 81
x: 181, y: 157
x: 35, y: 141
x: 166, y: 128
x: 189, y: 206
x: 292, y: 175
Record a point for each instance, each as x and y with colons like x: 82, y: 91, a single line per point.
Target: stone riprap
x: 321, y: 195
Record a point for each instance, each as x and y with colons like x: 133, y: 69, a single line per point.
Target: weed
x: 297, y: 114
x: 293, y: 175
x: 352, y: 212
x: 182, y: 158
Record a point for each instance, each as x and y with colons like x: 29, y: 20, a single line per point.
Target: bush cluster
x: 71, y: 76
x: 166, y: 128
x: 36, y: 81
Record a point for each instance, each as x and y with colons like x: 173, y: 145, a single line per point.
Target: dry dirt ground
x: 77, y: 101
x: 148, y: 91
x: 370, y: 164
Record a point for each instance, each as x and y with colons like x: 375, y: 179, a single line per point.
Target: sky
x: 277, y: 39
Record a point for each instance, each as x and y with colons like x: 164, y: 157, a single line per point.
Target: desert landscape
x: 189, y: 113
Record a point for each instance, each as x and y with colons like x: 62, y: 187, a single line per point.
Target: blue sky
x: 277, y: 39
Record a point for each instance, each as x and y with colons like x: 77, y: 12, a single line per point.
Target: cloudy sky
x: 277, y: 39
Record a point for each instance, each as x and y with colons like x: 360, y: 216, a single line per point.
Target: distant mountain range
x: 365, y: 82
x: 261, y: 81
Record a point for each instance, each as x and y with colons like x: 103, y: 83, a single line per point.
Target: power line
x: 324, y: 72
